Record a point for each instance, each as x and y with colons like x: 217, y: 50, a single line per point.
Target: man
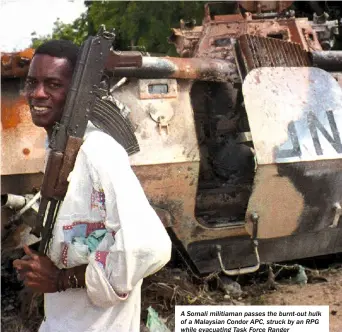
x: 107, y: 237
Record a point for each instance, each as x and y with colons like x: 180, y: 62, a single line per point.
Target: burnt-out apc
x: 239, y: 138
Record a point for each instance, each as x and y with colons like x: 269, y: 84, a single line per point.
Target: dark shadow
x: 227, y: 165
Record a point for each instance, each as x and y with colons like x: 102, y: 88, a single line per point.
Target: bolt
x: 254, y: 217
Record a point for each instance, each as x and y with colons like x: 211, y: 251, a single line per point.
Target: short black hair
x: 59, y: 48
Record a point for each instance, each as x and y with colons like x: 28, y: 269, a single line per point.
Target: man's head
x: 48, y: 81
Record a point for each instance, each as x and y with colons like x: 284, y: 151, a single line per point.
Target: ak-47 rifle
x: 82, y: 104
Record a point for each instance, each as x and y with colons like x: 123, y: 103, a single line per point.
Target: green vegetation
x: 146, y: 24
x: 137, y: 23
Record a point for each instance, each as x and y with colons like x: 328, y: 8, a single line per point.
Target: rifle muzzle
x: 15, y: 202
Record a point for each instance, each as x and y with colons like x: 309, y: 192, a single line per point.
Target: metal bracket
x: 104, y: 33
x: 162, y: 118
x: 163, y: 123
x: 248, y: 269
x: 338, y: 212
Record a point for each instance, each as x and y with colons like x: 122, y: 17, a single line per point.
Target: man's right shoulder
x: 99, y: 144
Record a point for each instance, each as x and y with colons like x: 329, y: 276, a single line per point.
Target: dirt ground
x: 171, y: 286
x: 323, y: 293
x: 323, y: 287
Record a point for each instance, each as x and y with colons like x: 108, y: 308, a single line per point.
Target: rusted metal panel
x: 16, y: 64
x: 296, y: 197
x: 173, y: 137
x: 265, y: 6
x: 20, y: 184
x: 277, y: 202
x: 236, y: 252
x: 10, y: 109
x: 286, y: 29
x: 255, y: 52
x: 319, y: 182
x: 308, y: 35
x: 172, y: 187
x: 185, y: 40
x: 229, y: 27
x: 225, y: 18
x: 22, y: 143
x: 295, y: 114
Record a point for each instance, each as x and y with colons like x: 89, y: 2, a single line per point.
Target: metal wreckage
x: 237, y: 142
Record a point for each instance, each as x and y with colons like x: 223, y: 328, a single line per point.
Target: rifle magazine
x: 107, y: 117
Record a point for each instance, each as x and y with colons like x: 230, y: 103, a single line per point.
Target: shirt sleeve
x: 140, y: 245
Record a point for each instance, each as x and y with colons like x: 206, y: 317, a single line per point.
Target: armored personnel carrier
x: 237, y: 141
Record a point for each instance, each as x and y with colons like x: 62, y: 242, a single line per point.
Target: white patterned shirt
x: 104, y: 194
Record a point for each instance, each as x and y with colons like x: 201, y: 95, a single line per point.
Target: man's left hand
x: 38, y: 272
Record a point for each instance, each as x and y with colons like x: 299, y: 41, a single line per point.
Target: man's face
x: 46, y: 88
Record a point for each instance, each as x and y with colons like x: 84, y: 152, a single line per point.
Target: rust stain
x: 16, y: 64
x: 26, y: 151
x: 255, y: 51
x: 229, y: 18
x: 173, y: 187
x: 254, y: 6
x: 198, y: 41
x: 10, y: 111
x: 156, y: 95
x: 17, y: 129
x: 277, y: 202
x: 13, y: 64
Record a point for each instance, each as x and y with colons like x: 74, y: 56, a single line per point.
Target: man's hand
x: 37, y: 272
